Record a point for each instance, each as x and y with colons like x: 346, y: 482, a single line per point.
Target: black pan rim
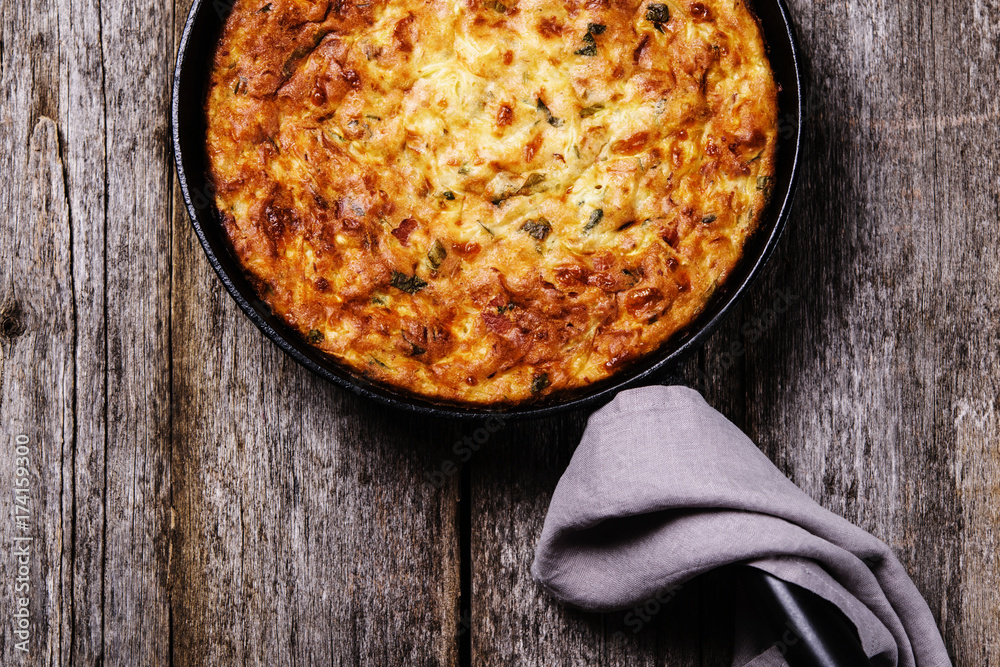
x: 646, y: 370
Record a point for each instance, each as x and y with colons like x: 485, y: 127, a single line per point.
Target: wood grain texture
x: 201, y: 500
x: 36, y: 334
x: 135, y: 41
x: 82, y: 103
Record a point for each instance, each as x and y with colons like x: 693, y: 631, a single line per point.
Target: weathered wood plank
x: 82, y: 110
x: 965, y: 118
x: 36, y: 332
x: 136, y: 42
x: 305, y: 529
x: 36, y: 396
x: 512, y: 477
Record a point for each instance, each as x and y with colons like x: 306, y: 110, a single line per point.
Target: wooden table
x: 196, y: 498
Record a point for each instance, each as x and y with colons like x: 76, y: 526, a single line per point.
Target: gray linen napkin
x: 663, y: 488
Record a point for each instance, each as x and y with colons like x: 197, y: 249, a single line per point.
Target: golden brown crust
x: 484, y: 201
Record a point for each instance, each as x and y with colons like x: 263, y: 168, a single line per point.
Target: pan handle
x: 813, y: 632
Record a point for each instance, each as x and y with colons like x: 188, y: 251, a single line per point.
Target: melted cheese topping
x: 485, y: 201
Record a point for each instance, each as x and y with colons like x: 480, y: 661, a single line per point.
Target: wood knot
x: 12, y: 321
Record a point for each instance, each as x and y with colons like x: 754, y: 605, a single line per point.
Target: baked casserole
x: 485, y: 202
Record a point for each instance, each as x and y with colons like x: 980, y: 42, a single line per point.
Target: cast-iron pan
x: 191, y: 76
x: 826, y: 640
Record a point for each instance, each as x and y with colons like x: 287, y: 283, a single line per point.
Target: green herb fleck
x: 485, y: 228
x: 417, y: 350
x: 709, y: 219
x: 376, y: 361
x: 408, y: 284
x: 590, y: 48
x: 549, y: 118
x: 266, y: 8
x: 539, y: 382
x: 626, y: 225
x: 765, y: 184
x: 587, y: 112
x: 590, y: 44
x: 657, y: 14
x: 436, y: 254
x: 499, y: 7
x: 315, y: 336
x: 449, y: 195
x: 532, y: 181
x: 595, y: 219
x: 464, y: 169
x: 537, y: 229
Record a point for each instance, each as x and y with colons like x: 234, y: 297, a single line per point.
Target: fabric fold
x: 663, y: 488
